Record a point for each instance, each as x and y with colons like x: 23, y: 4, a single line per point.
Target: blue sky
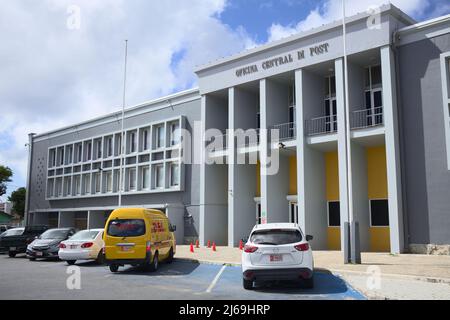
x: 54, y: 75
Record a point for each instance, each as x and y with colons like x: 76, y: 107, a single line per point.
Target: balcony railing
x: 367, y: 118
x: 321, y: 125
x: 286, y: 131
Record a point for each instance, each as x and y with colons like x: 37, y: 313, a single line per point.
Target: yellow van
x: 138, y: 237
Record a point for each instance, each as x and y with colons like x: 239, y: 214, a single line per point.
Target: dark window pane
x: 379, y: 210
x: 368, y: 100
x: 276, y: 237
x: 367, y: 78
x: 334, y: 214
x: 376, y: 75
x: 333, y: 86
x: 126, y: 228
x: 327, y: 86
x: 378, y: 99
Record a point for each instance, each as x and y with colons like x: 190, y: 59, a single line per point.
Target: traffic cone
x: 209, y: 244
x: 214, y: 246
x: 191, y: 249
x: 197, y: 244
x: 241, y: 245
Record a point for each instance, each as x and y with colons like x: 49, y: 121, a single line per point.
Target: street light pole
x: 122, y: 133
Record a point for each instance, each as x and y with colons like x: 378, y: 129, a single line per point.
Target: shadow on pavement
x: 175, y: 268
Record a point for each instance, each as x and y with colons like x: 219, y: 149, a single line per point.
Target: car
x: 47, y: 244
x: 17, y: 243
x: 277, y: 251
x: 138, y: 237
x: 9, y: 233
x: 4, y: 228
x: 83, y: 245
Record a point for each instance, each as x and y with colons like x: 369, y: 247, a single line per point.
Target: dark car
x: 4, y: 228
x: 47, y: 244
x: 9, y: 233
x: 17, y: 243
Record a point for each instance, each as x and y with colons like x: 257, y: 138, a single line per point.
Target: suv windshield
x: 54, y: 234
x: 126, y: 228
x: 85, y: 235
x: 12, y: 232
x: 276, y: 237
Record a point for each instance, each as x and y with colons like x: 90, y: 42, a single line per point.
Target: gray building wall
x: 424, y: 159
x: 190, y: 197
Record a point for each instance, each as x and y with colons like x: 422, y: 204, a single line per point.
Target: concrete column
x: 175, y: 213
x: 344, y: 183
x: 392, y: 150
x: 275, y: 175
x: 310, y: 162
x: 66, y: 219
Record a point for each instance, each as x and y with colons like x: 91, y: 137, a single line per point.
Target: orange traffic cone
x: 197, y: 244
x: 241, y: 245
x: 214, y: 246
x: 191, y: 248
x: 209, y: 244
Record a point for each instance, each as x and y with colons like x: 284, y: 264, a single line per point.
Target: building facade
x: 372, y: 147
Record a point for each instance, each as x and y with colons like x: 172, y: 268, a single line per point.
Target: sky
x: 61, y: 61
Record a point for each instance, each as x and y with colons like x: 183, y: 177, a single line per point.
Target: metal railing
x: 286, y: 131
x: 367, y: 118
x: 321, y: 125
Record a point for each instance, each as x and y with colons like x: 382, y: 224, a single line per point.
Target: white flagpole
x: 122, y: 138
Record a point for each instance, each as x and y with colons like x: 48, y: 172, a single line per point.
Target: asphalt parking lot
x: 181, y: 280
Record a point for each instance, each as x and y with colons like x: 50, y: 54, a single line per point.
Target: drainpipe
x: 28, y: 188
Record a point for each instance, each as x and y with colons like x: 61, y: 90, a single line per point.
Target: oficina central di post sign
x: 282, y: 60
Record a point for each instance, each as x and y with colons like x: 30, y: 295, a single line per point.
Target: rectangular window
x: 379, y: 213
x: 77, y: 185
x: 258, y: 213
x: 145, y: 178
x: 97, y: 182
x: 174, y: 175
x: 109, y: 147
x: 175, y: 134
x: 159, y: 176
x: 160, y: 137
x: 88, y: 151
x: 87, y: 184
x: 50, y: 187
x: 59, y: 187
x: 132, y: 142
x: 108, y: 182
x: 145, y: 145
x: 80, y: 153
x: 132, y: 179
x: 334, y: 214
x: 68, y: 186
x: 99, y: 149
x: 69, y: 154
x: 52, y: 158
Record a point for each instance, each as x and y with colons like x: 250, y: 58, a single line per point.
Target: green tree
x: 17, y: 198
x: 5, y: 177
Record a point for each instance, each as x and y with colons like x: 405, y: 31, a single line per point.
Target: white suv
x: 277, y: 251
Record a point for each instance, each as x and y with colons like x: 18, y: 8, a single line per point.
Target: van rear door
x: 126, y: 239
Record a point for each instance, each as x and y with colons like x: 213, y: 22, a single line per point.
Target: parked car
x: 9, y: 233
x: 47, y: 244
x: 138, y: 237
x: 17, y: 243
x: 277, y: 251
x: 84, y: 245
x: 4, y: 228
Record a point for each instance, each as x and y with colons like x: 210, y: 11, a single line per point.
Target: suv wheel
x: 248, y: 284
x: 12, y: 254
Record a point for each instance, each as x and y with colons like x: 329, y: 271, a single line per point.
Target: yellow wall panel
x: 293, y: 176
x: 377, y: 173
x: 332, y: 176
x: 334, y: 238
x: 380, y: 239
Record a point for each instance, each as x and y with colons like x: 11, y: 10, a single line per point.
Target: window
x: 374, y: 96
x: 88, y: 151
x: 145, y: 178
x: 68, y: 186
x: 293, y: 212
x: 159, y: 176
x: 109, y: 147
x: 52, y: 158
x: 108, y: 182
x: 258, y: 213
x: 50, y: 187
x: 334, y: 214
x: 276, y: 237
x: 174, y: 175
x: 59, y: 187
x: 132, y: 179
x: 87, y: 184
x: 175, y: 134
x: 97, y: 182
x: 145, y: 145
x: 99, y: 149
x: 160, y: 137
x: 79, y: 152
x: 69, y: 154
x: 126, y: 228
x: 77, y: 184
x: 132, y: 142
x: 61, y: 156
x: 330, y: 104
x: 379, y: 213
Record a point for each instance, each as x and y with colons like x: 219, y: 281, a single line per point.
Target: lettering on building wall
x: 283, y: 60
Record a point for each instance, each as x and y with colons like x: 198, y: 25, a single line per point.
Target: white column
x: 392, y: 150
x: 202, y: 239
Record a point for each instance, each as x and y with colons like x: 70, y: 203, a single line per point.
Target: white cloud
x: 53, y: 76
x: 331, y: 10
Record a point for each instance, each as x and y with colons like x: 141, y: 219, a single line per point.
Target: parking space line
x: 214, y: 282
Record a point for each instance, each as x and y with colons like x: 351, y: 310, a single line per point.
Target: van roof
x: 134, y: 212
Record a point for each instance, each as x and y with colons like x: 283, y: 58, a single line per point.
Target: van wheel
x: 32, y: 259
x: 71, y: 262
x: 170, y: 258
x: 114, y: 268
x: 247, y: 284
x: 12, y: 254
x: 100, y: 258
x: 155, y: 264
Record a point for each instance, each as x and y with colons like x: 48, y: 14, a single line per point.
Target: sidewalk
x: 403, y: 276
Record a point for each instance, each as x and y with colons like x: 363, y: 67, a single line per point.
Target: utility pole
x: 122, y: 133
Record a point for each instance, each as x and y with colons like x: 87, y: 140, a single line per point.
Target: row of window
x: 137, y: 140
x: 153, y: 177
x: 379, y: 213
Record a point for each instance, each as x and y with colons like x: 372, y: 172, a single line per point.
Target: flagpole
x: 122, y: 138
